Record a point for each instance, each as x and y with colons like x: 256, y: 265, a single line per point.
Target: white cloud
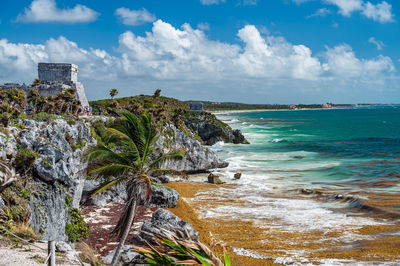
x: 322, y: 12
x: 134, y: 17
x: 190, y: 64
x: 379, y: 44
x: 212, y: 2
x: 203, y: 26
x: 342, y: 62
x: 47, y: 11
x: 381, y: 12
x: 346, y: 7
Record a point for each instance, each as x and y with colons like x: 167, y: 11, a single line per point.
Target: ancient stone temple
x: 55, y: 78
x: 196, y: 107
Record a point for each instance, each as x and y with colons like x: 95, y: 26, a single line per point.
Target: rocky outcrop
x: 162, y: 196
x: 197, y: 157
x: 58, y: 170
x: 128, y: 256
x: 211, y: 130
x: 214, y: 179
x: 164, y: 220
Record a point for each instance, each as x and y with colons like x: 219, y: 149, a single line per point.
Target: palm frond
x: 102, y: 152
x: 109, y: 169
x: 106, y: 185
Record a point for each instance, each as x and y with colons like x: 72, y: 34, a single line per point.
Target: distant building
x: 196, y: 107
x: 55, y: 78
x: 327, y: 105
x: 293, y: 106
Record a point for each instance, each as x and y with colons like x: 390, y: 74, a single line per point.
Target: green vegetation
x: 24, y: 160
x: 113, y: 93
x: 172, y: 251
x: 231, y: 106
x: 78, y: 228
x: 134, y: 138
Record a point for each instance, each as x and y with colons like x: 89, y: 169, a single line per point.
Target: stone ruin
x: 55, y: 78
x: 196, y: 107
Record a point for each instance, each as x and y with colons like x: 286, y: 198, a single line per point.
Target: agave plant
x: 177, y: 248
x: 127, y: 154
x: 7, y: 175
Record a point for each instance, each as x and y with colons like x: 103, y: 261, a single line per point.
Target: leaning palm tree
x: 127, y: 154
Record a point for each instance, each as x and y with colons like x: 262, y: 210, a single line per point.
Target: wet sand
x: 372, y: 244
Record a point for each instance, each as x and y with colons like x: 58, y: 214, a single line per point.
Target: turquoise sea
x: 327, y: 172
x: 354, y: 149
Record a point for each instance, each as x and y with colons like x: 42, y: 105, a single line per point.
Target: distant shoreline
x: 264, y: 110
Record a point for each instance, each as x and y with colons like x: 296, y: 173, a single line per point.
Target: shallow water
x: 331, y: 171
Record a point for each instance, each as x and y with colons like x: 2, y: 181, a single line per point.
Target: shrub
x: 78, y: 228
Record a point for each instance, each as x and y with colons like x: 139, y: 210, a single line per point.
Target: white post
x: 52, y: 252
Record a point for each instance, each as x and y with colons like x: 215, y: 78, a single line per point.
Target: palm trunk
x: 117, y: 253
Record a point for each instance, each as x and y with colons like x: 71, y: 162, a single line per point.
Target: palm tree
x: 126, y: 154
x: 113, y: 93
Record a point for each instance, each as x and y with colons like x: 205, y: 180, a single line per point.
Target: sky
x: 251, y: 51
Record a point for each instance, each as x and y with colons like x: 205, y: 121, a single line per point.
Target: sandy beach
x: 377, y: 244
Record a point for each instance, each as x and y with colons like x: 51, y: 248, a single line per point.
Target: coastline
x: 208, y: 229
x: 225, y: 234
x: 221, y: 112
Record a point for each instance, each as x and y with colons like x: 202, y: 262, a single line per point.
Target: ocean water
x: 334, y: 149
x: 311, y: 170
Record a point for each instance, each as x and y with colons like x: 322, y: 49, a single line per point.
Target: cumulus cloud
x: 47, y: 11
x: 134, y: 17
x: 212, y: 2
x: 381, y: 12
x: 342, y: 62
x: 186, y: 59
x: 346, y: 7
x: 379, y: 44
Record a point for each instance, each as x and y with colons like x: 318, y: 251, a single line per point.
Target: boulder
x: 163, y: 196
x: 164, y: 220
x: 128, y: 256
x: 63, y: 247
x: 214, y: 179
x: 237, y: 176
x: 197, y: 157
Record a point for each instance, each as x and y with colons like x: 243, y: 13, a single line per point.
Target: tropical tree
x: 113, y: 93
x: 127, y: 154
x: 157, y: 93
x: 36, y: 83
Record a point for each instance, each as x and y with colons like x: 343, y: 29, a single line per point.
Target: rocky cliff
x: 211, y: 130
x: 57, y: 176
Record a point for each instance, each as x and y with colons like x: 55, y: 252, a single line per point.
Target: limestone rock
x: 237, y: 176
x: 211, y: 130
x: 197, y: 157
x: 63, y: 247
x: 128, y: 256
x: 164, y: 219
x: 214, y: 179
x: 163, y: 196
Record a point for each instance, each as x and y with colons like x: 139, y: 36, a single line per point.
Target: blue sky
x: 282, y: 51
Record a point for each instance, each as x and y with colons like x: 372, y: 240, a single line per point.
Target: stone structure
x: 55, y: 78
x: 196, y: 107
